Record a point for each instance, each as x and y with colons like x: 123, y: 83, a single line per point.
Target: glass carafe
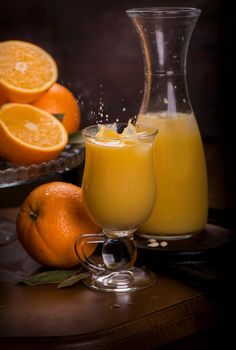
x: 181, y: 206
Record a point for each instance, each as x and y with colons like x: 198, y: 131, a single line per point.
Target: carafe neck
x: 165, y: 35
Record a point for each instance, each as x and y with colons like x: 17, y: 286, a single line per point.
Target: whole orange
x: 50, y: 220
x: 59, y: 100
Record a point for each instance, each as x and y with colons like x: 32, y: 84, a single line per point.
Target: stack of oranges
x: 30, y: 103
x: 53, y: 215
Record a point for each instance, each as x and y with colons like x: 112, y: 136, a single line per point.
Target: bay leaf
x: 48, y: 277
x: 76, y: 138
x: 59, y: 116
x: 73, y: 280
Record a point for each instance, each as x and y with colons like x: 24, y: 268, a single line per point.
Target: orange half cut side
x: 26, y: 71
x: 30, y: 135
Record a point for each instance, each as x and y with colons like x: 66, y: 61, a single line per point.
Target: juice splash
x: 110, y: 132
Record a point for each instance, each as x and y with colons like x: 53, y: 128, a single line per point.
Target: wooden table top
x: 48, y: 317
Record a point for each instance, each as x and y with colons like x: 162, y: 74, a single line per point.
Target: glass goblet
x: 119, y: 193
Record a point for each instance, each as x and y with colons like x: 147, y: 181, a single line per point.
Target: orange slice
x: 26, y: 71
x: 30, y: 135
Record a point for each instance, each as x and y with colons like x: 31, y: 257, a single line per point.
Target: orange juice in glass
x: 114, y: 189
x: 181, y: 205
x: 119, y: 193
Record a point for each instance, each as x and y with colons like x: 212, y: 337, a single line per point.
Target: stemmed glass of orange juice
x: 119, y: 194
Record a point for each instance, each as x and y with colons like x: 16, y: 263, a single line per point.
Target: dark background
x: 94, y: 43
x: 99, y: 57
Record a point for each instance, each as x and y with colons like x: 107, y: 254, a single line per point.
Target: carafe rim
x: 164, y: 12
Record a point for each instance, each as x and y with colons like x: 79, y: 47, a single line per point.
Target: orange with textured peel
x: 59, y: 100
x: 26, y: 71
x: 29, y: 135
x: 49, y: 222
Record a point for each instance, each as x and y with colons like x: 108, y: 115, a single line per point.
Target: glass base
x: 121, y: 281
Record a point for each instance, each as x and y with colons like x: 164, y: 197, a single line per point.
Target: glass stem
x: 119, y: 251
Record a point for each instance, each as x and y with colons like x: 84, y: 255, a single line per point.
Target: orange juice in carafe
x: 181, y: 178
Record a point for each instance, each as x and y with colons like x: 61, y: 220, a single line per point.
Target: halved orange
x: 26, y: 71
x: 29, y: 135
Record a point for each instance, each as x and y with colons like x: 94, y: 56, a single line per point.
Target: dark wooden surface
x: 50, y: 318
